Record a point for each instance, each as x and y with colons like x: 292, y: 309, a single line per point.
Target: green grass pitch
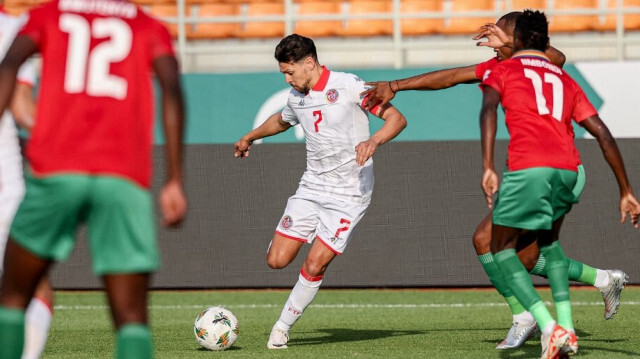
x: 346, y: 324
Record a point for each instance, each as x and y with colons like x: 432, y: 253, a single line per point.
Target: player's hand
x: 629, y: 204
x: 365, y: 149
x: 242, y: 147
x: 496, y: 38
x: 380, y: 93
x: 489, y: 185
x: 173, y: 203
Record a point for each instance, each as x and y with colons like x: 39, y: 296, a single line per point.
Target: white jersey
x: 334, y: 123
x: 11, y: 179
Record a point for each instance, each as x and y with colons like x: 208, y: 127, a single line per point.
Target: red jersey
x: 95, y: 107
x: 483, y: 67
x: 539, y: 100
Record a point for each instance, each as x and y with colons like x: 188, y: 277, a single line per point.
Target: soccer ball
x: 216, y: 328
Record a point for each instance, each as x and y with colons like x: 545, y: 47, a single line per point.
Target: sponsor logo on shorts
x: 332, y: 95
x: 287, y: 222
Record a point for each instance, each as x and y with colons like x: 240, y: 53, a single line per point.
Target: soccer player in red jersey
x: 90, y: 158
x: 540, y: 100
x: 610, y: 282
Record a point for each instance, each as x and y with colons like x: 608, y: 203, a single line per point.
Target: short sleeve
x: 34, y: 25
x: 355, y: 86
x: 494, y: 79
x: 161, y: 44
x: 27, y: 73
x: 289, y: 116
x: 483, y: 67
x: 583, y: 108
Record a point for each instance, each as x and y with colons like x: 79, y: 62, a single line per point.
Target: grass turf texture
x: 346, y: 324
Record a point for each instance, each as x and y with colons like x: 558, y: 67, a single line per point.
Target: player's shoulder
x: 337, y: 78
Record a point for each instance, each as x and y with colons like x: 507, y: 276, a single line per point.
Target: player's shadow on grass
x: 351, y: 335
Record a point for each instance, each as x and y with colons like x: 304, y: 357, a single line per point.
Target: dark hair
x: 294, y: 48
x: 510, y: 19
x: 533, y: 29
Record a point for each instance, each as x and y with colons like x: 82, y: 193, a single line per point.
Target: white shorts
x: 332, y: 221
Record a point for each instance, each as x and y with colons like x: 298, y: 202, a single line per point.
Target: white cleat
x: 518, y: 334
x: 611, y: 293
x: 278, y: 339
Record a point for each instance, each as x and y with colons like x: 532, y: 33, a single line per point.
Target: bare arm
x: 628, y: 202
x: 383, y: 91
x: 488, y: 129
x: 20, y: 50
x: 23, y: 105
x: 555, y: 56
x: 172, y: 200
x: 272, y: 126
x: 394, y: 123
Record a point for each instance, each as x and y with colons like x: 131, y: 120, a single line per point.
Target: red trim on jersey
x: 2, y: 10
x: 45, y: 302
x: 24, y: 82
x: 328, y: 246
x: 374, y: 110
x: 322, y: 81
x: 309, y: 277
x: 291, y: 237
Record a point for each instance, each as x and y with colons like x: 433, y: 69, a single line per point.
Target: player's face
x: 297, y: 75
x: 504, y: 52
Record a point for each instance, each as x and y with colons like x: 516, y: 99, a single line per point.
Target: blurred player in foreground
x: 22, y: 110
x: 336, y: 188
x: 90, y: 158
x: 610, y: 282
x: 537, y: 190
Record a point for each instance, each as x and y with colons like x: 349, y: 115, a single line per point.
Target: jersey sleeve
x: 355, y: 86
x: 583, y: 108
x: 27, y: 73
x: 494, y: 79
x: 483, y: 67
x: 161, y: 44
x: 34, y: 24
x: 289, y: 116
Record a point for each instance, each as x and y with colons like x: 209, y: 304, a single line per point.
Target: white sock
x: 301, y: 296
x: 549, y: 328
x: 37, y: 323
x: 524, y: 317
x: 602, y: 278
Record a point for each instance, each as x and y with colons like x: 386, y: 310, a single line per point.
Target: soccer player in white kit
x: 335, y: 190
x: 40, y: 310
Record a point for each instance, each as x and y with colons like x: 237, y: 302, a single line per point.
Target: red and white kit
x: 334, y: 191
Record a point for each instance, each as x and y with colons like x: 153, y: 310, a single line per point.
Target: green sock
x: 517, y: 277
x: 134, y: 342
x: 557, y: 272
x: 542, y: 315
x: 540, y: 269
x: 12, y: 333
x: 588, y: 274
x: 496, y: 278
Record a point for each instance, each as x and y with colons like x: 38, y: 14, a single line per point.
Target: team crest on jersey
x: 287, y: 222
x: 332, y: 95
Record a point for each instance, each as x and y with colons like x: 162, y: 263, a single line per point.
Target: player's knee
x: 313, y: 267
x: 276, y: 261
x: 482, y: 240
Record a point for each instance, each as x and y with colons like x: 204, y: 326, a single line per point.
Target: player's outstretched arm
x: 488, y: 129
x: 172, y: 200
x: 272, y: 126
x: 628, y: 202
x: 394, y: 123
x: 20, y: 50
x: 382, y: 92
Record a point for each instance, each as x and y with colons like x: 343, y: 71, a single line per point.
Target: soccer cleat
x: 518, y: 334
x: 571, y: 346
x: 278, y: 339
x: 553, y: 345
x: 611, y: 293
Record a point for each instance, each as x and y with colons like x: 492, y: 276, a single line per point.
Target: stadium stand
x: 318, y: 28
x: 365, y: 27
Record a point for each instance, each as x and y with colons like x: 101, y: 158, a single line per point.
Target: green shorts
x: 534, y: 198
x: 119, y: 216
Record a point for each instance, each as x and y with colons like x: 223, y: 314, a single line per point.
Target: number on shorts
x: 95, y: 78
x: 346, y: 223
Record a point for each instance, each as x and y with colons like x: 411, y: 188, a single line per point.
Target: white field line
x: 330, y: 306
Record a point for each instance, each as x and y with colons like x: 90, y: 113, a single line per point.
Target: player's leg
x: 302, y: 294
x: 22, y: 272
x: 38, y: 320
x: 123, y: 244
x: 523, y: 324
x: 127, y: 295
x: 282, y: 251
